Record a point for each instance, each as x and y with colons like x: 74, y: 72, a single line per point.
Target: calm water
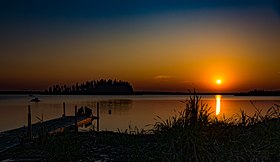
x: 126, y: 110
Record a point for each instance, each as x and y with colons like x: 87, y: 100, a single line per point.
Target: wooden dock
x: 14, y: 137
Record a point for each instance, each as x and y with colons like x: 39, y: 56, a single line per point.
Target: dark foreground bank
x: 226, y: 143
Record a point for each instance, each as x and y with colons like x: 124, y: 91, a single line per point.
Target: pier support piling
x: 97, y: 113
x: 29, y: 129
x: 63, y: 115
x: 76, y: 123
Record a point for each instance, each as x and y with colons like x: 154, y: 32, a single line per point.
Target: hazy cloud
x: 162, y: 77
x: 187, y: 81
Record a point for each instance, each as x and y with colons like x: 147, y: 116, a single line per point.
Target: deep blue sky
x: 48, y: 10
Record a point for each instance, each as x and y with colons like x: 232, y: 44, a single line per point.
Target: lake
x: 133, y: 110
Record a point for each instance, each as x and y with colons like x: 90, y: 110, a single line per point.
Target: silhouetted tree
x: 101, y: 86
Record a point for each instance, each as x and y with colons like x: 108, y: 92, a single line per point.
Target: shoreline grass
x: 194, y: 134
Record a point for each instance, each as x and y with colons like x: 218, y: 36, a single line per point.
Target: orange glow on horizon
x: 152, y: 52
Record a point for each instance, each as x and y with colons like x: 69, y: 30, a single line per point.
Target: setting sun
x: 218, y: 81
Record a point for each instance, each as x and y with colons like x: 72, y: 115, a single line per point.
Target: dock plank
x: 11, y: 138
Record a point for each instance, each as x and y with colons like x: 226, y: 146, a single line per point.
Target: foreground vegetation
x: 193, y: 135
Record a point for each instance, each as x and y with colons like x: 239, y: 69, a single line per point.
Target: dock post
x: 29, y: 129
x: 76, y: 124
x: 97, y: 113
x: 63, y: 115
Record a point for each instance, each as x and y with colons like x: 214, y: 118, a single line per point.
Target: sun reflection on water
x: 218, y: 104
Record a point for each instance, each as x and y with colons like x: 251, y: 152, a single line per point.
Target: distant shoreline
x: 145, y: 93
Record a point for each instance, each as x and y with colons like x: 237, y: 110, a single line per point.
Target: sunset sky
x: 155, y: 45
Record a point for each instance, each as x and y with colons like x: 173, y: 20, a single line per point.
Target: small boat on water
x: 36, y: 99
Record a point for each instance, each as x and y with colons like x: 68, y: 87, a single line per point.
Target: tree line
x: 257, y: 92
x: 101, y: 86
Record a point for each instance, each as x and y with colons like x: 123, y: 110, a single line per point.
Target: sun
x: 218, y: 81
